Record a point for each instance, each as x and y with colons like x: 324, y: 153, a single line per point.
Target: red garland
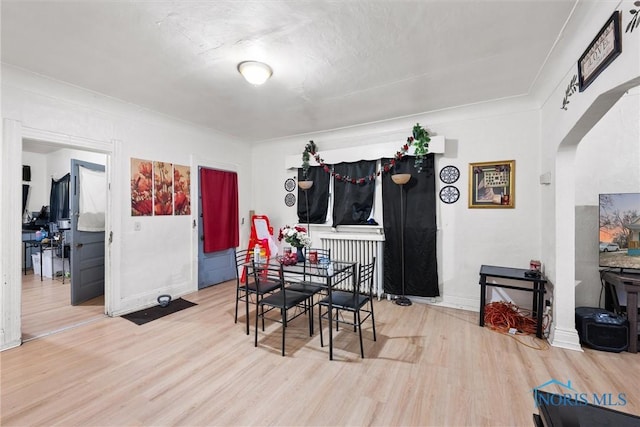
x: 386, y: 167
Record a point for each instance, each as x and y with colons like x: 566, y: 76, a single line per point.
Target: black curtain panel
x: 317, y: 197
x: 352, y: 203
x: 25, y: 196
x: 420, y: 266
x: 59, y: 199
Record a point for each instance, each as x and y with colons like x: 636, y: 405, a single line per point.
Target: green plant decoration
x: 421, y: 144
x: 309, y: 150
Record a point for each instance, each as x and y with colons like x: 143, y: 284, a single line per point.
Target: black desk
x: 538, y: 289
x: 559, y: 411
x: 51, y: 244
x: 31, y: 244
x: 629, y: 283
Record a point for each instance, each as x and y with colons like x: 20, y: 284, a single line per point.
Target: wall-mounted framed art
x: 492, y: 184
x: 601, y: 52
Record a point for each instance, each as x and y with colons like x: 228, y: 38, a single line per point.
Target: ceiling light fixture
x: 255, y: 72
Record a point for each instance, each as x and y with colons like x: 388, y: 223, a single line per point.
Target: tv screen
x: 620, y: 230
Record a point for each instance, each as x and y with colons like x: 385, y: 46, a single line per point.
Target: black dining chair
x: 357, y: 302
x: 306, y: 285
x: 246, y: 290
x: 282, y: 300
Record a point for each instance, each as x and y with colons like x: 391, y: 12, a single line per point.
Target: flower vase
x: 300, y: 253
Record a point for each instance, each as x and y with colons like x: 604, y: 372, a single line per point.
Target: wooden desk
x: 629, y: 283
x: 538, y: 289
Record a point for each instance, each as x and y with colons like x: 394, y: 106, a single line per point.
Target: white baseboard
x: 461, y: 303
x: 12, y: 344
x: 565, y: 338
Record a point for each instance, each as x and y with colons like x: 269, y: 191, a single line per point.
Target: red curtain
x: 219, y: 190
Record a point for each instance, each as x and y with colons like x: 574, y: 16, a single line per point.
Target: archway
x: 563, y: 332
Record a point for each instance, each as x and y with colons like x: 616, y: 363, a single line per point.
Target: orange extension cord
x: 503, y: 316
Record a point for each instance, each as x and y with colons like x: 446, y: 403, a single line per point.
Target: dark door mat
x: 152, y: 313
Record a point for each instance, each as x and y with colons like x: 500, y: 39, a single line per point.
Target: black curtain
x: 25, y: 196
x: 420, y: 266
x: 317, y: 197
x: 59, y: 199
x: 352, y: 203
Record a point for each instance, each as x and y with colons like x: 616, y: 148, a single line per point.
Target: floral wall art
x: 182, y: 190
x: 141, y: 187
x: 160, y: 188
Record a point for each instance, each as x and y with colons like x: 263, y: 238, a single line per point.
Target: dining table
x: 327, y: 273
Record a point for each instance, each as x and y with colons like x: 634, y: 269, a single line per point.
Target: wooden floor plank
x: 46, y: 306
x: 430, y: 366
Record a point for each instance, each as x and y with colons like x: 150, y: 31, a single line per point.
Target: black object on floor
x: 152, y: 313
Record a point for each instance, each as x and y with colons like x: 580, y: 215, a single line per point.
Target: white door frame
x: 11, y: 220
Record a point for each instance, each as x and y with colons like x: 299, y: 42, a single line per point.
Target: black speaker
x: 602, y: 330
x: 26, y: 173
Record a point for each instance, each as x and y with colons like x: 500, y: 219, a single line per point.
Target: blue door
x: 88, y: 181
x: 214, y: 267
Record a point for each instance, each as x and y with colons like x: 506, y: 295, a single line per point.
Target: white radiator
x: 358, y: 247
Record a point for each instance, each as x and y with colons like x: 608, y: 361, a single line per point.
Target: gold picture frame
x: 492, y: 184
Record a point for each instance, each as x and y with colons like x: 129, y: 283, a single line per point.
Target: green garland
x: 419, y: 139
x: 309, y: 150
x: 421, y: 143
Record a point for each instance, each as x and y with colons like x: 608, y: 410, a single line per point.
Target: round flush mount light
x: 255, y: 72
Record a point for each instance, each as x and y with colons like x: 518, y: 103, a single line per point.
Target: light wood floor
x: 46, y: 307
x: 430, y: 366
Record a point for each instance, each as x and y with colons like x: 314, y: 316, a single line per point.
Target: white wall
x: 607, y: 161
x: 158, y: 258
x: 561, y: 132
x: 38, y: 191
x: 59, y: 162
x: 467, y: 238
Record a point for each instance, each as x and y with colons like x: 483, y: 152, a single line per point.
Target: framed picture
x: 604, y: 48
x: 492, y: 184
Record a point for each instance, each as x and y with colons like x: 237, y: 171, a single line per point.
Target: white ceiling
x: 336, y: 63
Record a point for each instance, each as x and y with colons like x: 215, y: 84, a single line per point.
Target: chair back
x: 242, y: 256
x: 262, y: 274
x: 365, y: 279
x: 320, y: 253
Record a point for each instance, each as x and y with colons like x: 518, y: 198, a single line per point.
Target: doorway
x: 196, y: 163
x: 46, y: 306
x: 218, y: 191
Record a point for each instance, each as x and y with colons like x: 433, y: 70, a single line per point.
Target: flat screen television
x: 620, y: 231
